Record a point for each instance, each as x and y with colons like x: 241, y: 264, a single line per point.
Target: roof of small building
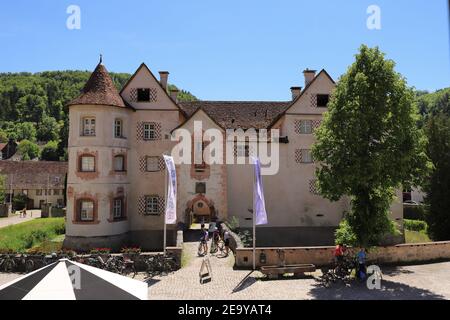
x: 238, y: 114
x: 34, y: 174
x: 99, y: 90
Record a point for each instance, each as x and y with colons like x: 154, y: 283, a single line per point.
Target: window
x: 39, y: 192
x: 305, y: 127
x: 200, y: 187
x: 242, y: 150
x: 143, y: 95
x: 322, y: 100
x: 152, y: 164
x: 88, y: 126
x: 151, y: 205
x: 118, y: 208
x: 87, y: 164
x: 149, y: 131
x: 119, y: 163
x: 56, y: 192
x: 306, y: 156
x: 86, y: 210
x: 60, y: 203
x: 118, y: 128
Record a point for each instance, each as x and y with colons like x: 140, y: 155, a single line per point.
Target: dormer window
x: 322, y: 100
x: 143, y: 95
x: 88, y: 126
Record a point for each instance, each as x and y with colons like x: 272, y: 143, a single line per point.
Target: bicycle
x: 159, y: 264
x: 201, y: 251
x: 341, y: 270
x: 7, y: 263
x: 217, y: 246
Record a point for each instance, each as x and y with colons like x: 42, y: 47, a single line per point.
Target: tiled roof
x: 33, y: 174
x: 238, y: 114
x: 99, y: 90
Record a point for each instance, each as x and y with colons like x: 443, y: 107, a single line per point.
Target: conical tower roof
x: 99, y: 90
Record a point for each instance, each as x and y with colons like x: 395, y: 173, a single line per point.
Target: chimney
x: 164, y: 76
x: 174, y: 94
x: 309, y: 76
x: 296, y: 91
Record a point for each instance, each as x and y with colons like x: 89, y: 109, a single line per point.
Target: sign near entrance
x: 171, y: 199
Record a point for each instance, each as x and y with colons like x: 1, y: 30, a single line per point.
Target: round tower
x: 98, y: 184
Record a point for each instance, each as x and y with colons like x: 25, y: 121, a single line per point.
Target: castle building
x: 115, y: 191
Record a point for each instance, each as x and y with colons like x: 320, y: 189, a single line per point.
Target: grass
x: 31, y: 234
x: 416, y: 237
x: 185, y: 258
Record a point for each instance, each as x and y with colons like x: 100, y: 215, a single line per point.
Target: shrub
x: 20, y: 201
x: 246, y: 238
x: 415, y: 225
x: 101, y: 251
x: 345, y: 235
x: 233, y: 223
x: 414, y: 212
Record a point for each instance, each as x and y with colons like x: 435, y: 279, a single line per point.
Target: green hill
x: 32, y: 106
x: 432, y: 103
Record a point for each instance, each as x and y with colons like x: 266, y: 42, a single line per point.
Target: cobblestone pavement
x: 431, y: 281
x: 15, y: 219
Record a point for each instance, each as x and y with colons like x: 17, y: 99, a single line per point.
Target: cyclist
x: 361, y: 258
x: 226, y: 239
x: 204, y: 239
x: 339, y: 253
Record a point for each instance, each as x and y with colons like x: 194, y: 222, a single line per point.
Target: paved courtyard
x: 431, y: 281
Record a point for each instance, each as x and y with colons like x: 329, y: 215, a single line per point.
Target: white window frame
x: 89, y: 126
x: 84, y: 212
x: 82, y: 163
x: 306, y: 156
x: 152, y: 205
x: 118, y: 128
x: 118, y: 208
x: 149, y: 131
x: 243, y: 150
x: 122, y: 169
x: 305, y: 126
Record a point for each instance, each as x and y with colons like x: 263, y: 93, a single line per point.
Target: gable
x: 200, y: 115
x: 322, y: 84
x: 143, y: 78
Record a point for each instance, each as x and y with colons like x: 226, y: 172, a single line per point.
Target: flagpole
x: 254, y: 224
x: 165, y: 210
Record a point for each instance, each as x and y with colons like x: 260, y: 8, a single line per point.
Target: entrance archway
x: 200, y: 209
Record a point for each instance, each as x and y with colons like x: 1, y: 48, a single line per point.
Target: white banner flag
x: 171, y: 199
x: 259, y: 204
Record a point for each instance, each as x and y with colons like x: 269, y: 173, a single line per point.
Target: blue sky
x: 227, y: 50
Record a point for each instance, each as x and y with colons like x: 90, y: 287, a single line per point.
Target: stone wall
x: 322, y: 256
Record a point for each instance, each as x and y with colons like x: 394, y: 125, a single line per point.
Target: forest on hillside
x: 33, y: 109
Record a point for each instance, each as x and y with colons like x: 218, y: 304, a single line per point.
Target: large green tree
x: 369, y: 144
x: 28, y: 150
x: 437, y: 186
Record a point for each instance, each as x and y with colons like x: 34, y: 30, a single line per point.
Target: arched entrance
x: 200, y: 209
